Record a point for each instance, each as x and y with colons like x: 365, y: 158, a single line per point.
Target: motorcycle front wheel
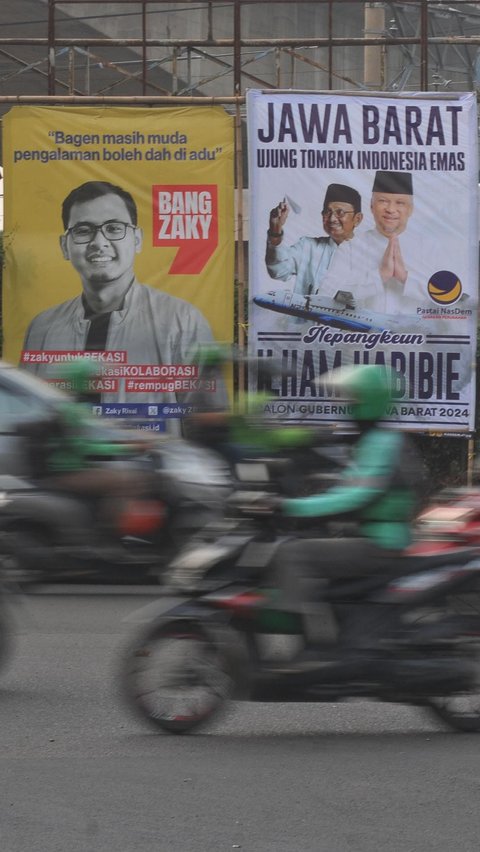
x: 461, y: 711
x: 176, y: 676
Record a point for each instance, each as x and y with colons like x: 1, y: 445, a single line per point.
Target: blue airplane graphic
x: 339, y: 312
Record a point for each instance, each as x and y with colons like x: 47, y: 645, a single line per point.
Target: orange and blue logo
x: 444, y: 287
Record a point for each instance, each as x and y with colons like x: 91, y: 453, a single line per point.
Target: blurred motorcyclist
x: 79, y: 456
x: 380, y: 490
x: 240, y: 431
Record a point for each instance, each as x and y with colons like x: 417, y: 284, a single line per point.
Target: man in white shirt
x: 308, y: 259
x: 387, y: 269
x: 115, y: 311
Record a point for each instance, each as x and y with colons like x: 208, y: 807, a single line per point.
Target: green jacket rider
x: 379, y: 487
x: 379, y: 491
x: 79, y: 438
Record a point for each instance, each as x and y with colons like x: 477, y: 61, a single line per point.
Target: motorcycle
x: 419, y: 633
x: 53, y: 535
x: 296, y: 469
x: 452, y: 518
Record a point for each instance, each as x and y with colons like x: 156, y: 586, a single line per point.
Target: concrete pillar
x: 373, y: 56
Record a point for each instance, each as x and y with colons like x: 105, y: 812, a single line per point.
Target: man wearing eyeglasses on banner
x: 115, y: 312
x: 309, y: 258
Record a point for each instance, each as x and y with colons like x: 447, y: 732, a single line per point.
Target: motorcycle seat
x: 357, y: 587
x: 413, y: 563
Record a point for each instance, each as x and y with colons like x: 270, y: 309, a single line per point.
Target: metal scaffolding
x: 409, y: 45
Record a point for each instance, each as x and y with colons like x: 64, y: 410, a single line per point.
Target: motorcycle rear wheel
x: 176, y: 676
x: 461, y: 712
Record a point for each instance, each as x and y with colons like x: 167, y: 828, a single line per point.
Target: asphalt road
x: 80, y: 773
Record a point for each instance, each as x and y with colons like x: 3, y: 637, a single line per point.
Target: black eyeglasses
x: 85, y: 232
x: 336, y: 211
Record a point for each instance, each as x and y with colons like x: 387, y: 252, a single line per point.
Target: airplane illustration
x: 339, y: 312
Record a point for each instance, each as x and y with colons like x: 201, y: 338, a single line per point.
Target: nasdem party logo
x: 444, y: 287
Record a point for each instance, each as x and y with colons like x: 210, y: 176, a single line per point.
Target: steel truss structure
x: 81, y: 49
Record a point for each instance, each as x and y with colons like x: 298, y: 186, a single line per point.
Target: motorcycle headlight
x: 5, y: 498
x: 190, y: 566
x: 193, y: 465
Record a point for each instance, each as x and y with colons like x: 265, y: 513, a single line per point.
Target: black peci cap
x: 341, y: 192
x: 394, y: 182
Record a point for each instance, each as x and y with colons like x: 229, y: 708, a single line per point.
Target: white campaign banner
x: 364, y: 250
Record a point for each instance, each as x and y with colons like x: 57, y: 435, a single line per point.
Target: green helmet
x: 213, y: 354
x: 79, y: 374
x: 369, y: 389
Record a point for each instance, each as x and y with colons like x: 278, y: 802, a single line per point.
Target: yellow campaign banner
x: 119, y: 247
